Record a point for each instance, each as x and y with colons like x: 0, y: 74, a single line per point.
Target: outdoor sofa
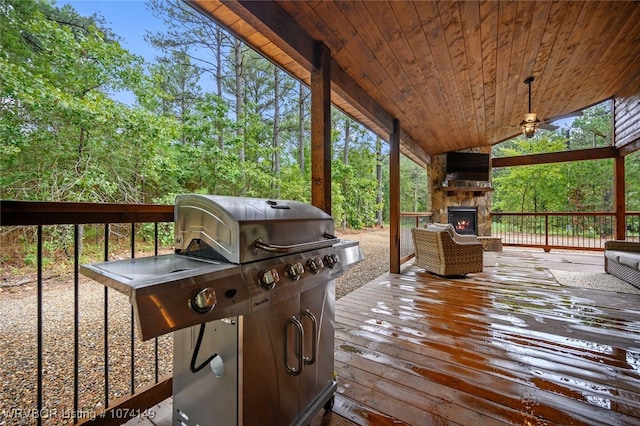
x: 437, y: 251
x: 622, y: 259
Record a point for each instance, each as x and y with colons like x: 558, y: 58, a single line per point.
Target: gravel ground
x: 375, y: 247
x: 18, y: 340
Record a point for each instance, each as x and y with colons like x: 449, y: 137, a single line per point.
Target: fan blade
x: 563, y: 116
x: 548, y: 126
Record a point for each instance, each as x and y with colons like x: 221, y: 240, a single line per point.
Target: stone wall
x: 440, y: 201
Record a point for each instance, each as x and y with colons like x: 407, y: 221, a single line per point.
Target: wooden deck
x: 506, y: 346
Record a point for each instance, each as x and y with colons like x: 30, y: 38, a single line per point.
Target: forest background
x: 212, y: 116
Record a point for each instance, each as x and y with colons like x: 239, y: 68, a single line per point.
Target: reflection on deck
x: 506, y: 346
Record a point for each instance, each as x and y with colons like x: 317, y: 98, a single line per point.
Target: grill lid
x: 241, y: 230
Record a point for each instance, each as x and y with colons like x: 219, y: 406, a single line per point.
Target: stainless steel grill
x: 261, y: 274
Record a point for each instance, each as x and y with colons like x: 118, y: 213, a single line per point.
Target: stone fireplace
x: 445, y: 198
x: 464, y: 219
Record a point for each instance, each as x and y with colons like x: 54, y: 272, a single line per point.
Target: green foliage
x: 165, y: 233
x: 529, y: 188
x: 66, y: 137
x: 414, y: 196
x: 583, y: 186
x: 63, y: 137
x: 632, y: 171
x: 356, y: 194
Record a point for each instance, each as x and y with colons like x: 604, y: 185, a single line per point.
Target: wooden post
x: 619, y: 199
x: 321, y: 129
x: 394, y: 198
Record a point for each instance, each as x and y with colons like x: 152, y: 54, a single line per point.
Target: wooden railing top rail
x: 418, y: 214
x: 561, y: 213
x: 23, y: 213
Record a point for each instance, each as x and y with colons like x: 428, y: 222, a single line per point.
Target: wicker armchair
x: 437, y: 252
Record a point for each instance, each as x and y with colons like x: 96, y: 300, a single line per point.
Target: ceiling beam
x: 270, y: 16
x: 556, y: 157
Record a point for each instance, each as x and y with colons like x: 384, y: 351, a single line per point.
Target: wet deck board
x: 501, y: 347
x: 506, y: 346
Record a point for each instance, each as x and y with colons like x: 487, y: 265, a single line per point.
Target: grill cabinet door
x: 280, y: 383
x: 270, y: 393
x: 318, y: 376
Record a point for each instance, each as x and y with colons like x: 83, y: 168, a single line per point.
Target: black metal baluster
x: 39, y: 325
x: 106, y: 321
x: 132, y: 339
x: 76, y: 316
x: 156, y: 339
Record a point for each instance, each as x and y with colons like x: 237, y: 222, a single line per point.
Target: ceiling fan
x: 531, y: 121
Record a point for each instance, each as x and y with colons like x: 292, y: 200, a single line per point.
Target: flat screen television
x: 468, y: 166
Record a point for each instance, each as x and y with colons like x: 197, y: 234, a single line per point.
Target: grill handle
x: 314, y: 338
x: 299, y: 339
x: 295, y: 248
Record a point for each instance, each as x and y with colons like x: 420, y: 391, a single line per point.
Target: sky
x: 129, y: 19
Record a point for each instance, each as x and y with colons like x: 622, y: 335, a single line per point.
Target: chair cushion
x: 613, y: 255
x: 436, y: 228
x: 630, y: 259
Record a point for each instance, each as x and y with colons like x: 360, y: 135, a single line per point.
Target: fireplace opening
x: 464, y: 219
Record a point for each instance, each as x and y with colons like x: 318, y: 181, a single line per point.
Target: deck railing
x: 576, y: 231
x: 409, y: 220
x: 94, y: 349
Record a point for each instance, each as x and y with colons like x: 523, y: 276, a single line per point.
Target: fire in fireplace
x: 464, y: 219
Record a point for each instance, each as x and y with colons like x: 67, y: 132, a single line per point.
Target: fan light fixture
x: 530, y: 122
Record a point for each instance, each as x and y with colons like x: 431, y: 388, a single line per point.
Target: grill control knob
x: 314, y: 265
x: 294, y: 271
x: 204, y: 300
x: 331, y: 260
x: 268, y: 279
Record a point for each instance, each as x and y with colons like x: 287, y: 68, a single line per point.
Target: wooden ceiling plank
x: 431, y: 95
x: 597, y: 20
x: 376, y: 50
x: 562, y: 21
x: 470, y: 18
x: 541, y: 66
x: 455, y: 40
x: 309, y: 15
x: 401, y: 23
x: 446, y: 74
x: 610, y: 45
x: 489, y: 43
x: 433, y: 37
x: 624, y: 46
x: 371, y: 79
x: 539, y: 13
x: 555, y: 90
x: 382, y: 120
x: 506, y: 22
x: 519, y: 39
